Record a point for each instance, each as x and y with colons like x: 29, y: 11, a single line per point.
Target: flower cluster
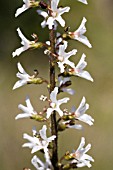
x: 61, y: 118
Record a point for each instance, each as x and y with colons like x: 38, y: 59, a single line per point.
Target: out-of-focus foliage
x: 98, y: 94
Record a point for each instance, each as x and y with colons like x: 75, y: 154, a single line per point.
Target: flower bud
x: 61, y: 127
x: 68, y: 156
x: 43, y: 5
x: 68, y: 117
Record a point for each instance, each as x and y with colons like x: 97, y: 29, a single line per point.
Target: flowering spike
x: 55, y: 49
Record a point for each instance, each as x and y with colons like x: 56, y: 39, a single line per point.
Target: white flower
x: 27, y: 111
x: 55, y: 104
x: 78, y: 34
x: 55, y: 15
x: 81, y: 158
x: 62, y: 81
x: 63, y: 57
x: 38, y: 164
x: 23, y: 76
x: 27, y: 4
x: 83, y: 1
x: 25, y: 42
x: 78, y: 70
x: 80, y: 112
x: 39, y: 143
x: 46, y: 17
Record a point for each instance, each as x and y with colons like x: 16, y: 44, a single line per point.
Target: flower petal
x: 20, y: 10
x: 37, y: 162
x: 54, y: 4
x: 64, y: 100
x: 69, y: 90
x: 82, y: 143
x: 49, y: 112
x: 61, y: 21
x: 63, y: 10
x: 54, y: 94
x: 22, y: 115
x: 43, y: 13
x: 83, y: 1
x: 19, y: 83
x: 43, y: 132
x: 50, y: 22
x: 28, y: 103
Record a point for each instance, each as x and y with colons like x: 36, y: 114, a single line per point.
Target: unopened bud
x: 43, y: 5
x: 67, y: 117
x: 64, y: 36
x: 61, y: 127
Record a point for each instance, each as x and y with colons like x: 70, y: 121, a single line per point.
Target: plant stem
x: 54, y: 158
x: 54, y: 131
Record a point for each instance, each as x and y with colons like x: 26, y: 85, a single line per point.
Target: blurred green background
x: 98, y: 94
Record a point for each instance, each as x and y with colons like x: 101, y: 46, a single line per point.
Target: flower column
x: 58, y: 57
